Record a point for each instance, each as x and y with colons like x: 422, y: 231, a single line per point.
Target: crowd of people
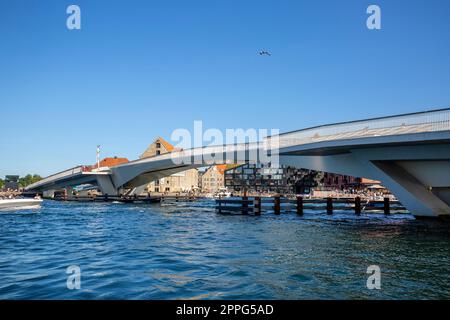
x: 369, y: 194
x: 9, y: 194
x: 13, y: 194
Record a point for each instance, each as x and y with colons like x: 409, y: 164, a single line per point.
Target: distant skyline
x: 141, y: 69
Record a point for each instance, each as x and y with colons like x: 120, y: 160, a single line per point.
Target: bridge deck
x: 423, y: 122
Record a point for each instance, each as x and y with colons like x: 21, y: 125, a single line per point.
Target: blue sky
x: 139, y: 69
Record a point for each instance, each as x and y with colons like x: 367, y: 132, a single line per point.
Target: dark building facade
x: 11, y: 183
x: 255, y: 177
x: 261, y: 178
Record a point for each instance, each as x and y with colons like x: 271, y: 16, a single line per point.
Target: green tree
x: 29, y: 179
x: 2, y: 184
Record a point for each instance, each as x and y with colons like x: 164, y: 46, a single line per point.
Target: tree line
x: 24, y: 181
x: 29, y: 179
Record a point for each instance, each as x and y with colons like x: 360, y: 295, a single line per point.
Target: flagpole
x: 98, y: 157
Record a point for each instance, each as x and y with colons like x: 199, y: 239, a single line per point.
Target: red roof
x: 166, y: 144
x: 111, y: 162
x: 224, y: 167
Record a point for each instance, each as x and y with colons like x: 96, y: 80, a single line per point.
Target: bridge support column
x: 106, y: 185
x: 138, y: 190
x: 412, y: 193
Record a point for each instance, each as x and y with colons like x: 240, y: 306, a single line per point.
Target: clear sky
x: 140, y: 69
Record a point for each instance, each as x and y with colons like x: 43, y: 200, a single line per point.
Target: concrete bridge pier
x: 107, y: 186
x: 413, y: 193
x: 138, y: 190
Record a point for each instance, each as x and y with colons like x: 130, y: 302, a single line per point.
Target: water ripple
x: 187, y: 251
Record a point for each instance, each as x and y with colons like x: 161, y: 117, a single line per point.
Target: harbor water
x: 187, y: 251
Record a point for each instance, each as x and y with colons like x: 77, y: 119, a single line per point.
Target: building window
x: 158, y: 152
x: 158, y: 145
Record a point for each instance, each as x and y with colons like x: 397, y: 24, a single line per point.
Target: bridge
x: 409, y: 154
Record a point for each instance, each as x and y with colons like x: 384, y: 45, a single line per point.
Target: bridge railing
x: 57, y: 176
x: 200, y: 152
x: 428, y: 121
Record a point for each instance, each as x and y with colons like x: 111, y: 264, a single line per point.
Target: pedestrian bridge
x: 409, y: 153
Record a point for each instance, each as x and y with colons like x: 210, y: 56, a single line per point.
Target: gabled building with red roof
x: 108, y: 163
x: 180, y: 182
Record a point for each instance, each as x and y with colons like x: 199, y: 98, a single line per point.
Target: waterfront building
x: 157, y: 147
x: 257, y: 178
x: 186, y: 181
x: 260, y: 178
x: 212, y: 180
x: 339, y: 182
x: 201, y: 172
x: 12, y: 183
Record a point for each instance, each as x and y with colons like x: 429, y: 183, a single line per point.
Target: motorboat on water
x: 222, y: 193
x: 6, y: 204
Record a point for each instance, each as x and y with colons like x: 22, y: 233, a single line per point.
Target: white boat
x: 222, y: 193
x: 19, y: 203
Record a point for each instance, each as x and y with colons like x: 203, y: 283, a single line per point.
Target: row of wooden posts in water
x: 257, y: 205
x: 299, y: 205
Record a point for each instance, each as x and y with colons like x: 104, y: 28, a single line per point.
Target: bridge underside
x: 69, y: 183
x: 103, y: 181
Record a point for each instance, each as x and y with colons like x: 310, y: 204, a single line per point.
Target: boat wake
x: 10, y: 209
x: 8, y: 205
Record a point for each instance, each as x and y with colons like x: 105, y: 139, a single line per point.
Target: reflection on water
x: 186, y: 251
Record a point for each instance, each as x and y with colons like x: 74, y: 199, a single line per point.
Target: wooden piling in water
x: 300, y: 205
x: 220, y: 205
x: 329, y: 205
x: 358, y: 205
x: 277, y: 205
x: 387, y: 206
x: 257, y: 206
x: 245, y: 204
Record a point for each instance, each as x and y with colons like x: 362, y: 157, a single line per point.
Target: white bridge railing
x: 428, y: 121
